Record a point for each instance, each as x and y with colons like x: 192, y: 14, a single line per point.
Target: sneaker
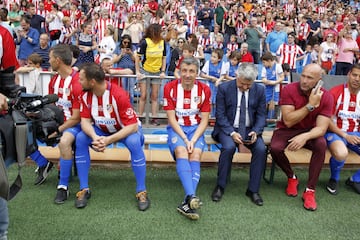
x: 332, y: 186
x: 62, y: 195
x: 354, y: 185
x: 291, y: 189
x: 185, y: 210
x: 82, y: 198
x: 309, y: 200
x: 143, y: 200
x: 43, y: 173
x: 193, y: 202
x: 154, y: 122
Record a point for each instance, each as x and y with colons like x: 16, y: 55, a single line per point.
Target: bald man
x: 306, y: 112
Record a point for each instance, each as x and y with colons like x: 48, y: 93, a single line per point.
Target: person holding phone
x: 306, y: 109
x: 240, y: 120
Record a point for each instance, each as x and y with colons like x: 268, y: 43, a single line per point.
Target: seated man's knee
x: 181, y: 152
x: 66, y: 142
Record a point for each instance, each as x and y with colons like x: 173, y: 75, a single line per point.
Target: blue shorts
x: 332, y: 137
x: 156, y: 80
x: 174, y: 140
x: 74, y: 130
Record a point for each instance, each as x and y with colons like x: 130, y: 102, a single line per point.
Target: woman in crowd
x: 135, y: 28
x: 125, y: 59
x: 153, y: 54
x: 86, y: 43
x: 107, y: 44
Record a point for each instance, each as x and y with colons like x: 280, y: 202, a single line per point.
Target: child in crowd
x: 219, y: 42
x: 31, y: 80
x: 232, y: 45
x: 188, y: 51
x: 315, y: 53
x: 229, y: 69
x: 272, y: 75
x: 211, y: 71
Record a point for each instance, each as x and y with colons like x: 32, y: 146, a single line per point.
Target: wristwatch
x: 310, y: 107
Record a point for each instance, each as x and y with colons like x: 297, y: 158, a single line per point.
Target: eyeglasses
x: 182, y: 19
x: 126, y: 42
x: 329, y: 36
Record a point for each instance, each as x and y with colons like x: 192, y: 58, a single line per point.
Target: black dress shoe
x: 255, y: 197
x: 217, y: 194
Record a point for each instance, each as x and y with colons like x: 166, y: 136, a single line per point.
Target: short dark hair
x: 267, y: 56
x: 93, y: 71
x: 63, y: 52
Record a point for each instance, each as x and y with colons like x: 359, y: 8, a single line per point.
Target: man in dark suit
x: 240, y: 119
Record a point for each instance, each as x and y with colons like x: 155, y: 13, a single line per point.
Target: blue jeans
x: 128, y: 84
x: 4, y: 219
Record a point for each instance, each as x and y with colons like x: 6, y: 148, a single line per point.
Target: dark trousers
x: 279, y: 142
x: 258, y: 155
x: 342, y: 68
x: 256, y: 55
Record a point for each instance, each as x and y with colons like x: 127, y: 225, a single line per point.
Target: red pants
x: 318, y: 146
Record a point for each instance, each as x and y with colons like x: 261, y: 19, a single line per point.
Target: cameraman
x: 4, y: 214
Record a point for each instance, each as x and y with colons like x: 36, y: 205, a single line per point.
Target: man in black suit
x: 240, y: 119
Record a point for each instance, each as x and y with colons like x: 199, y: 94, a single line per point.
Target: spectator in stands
x: 229, y: 69
x: 135, y: 28
x: 86, y: 42
x: 187, y: 124
x: 315, y: 29
x: 153, y: 53
x: 272, y: 76
x: 347, y: 49
x: 14, y: 15
x: 36, y: 20
x: 275, y: 38
x: 343, y: 133
x: 290, y: 52
x: 54, y: 21
x: 306, y: 113
x: 240, y: 120
x: 43, y: 50
x: 27, y: 39
x: 106, y: 126
x: 253, y: 35
x: 303, y: 31
x: 67, y: 31
x: 245, y: 55
x: 32, y: 81
x: 327, y: 53
x: 187, y: 51
x: 211, y: 71
x: 206, y: 15
x: 219, y: 13
x: 107, y: 45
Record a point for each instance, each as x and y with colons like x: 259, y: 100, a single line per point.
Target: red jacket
x: 9, y: 50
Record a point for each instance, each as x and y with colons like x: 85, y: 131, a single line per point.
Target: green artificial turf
x: 112, y: 213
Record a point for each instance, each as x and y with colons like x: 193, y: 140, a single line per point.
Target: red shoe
x: 291, y: 189
x: 309, y: 200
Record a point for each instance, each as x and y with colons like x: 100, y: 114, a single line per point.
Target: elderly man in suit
x: 240, y: 120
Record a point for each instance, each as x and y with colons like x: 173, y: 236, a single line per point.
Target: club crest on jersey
x: 174, y: 139
x: 129, y: 112
x: 186, y: 101
x: 352, y: 104
x: 197, y: 99
x: 109, y: 108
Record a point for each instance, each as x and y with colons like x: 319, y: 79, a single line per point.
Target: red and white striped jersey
x: 65, y: 31
x: 205, y: 41
x: 137, y: 7
x: 346, y: 109
x: 109, y: 6
x: 288, y: 8
x: 289, y: 53
x: 187, y: 104
x: 101, y: 26
x: 232, y: 46
x: 110, y: 112
x: 303, y: 30
x: 192, y: 21
x: 321, y: 9
x: 69, y: 92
